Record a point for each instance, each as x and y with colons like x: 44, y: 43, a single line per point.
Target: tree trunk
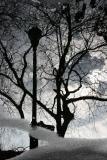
x: 67, y: 117
x: 63, y: 128
x: 21, y: 113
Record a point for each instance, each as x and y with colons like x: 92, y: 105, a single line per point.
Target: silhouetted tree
x: 61, y: 52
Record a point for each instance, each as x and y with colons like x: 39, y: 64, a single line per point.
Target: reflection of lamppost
x: 34, y: 35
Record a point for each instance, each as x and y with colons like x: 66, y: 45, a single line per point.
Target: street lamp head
x: 34, y: 35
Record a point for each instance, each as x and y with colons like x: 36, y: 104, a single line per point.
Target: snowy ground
x: 69, y: 150
x: 58, y: 148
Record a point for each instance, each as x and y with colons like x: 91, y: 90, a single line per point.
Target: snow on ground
x: 71, y: 149
x: 58, y: 148
x: 37, y: 132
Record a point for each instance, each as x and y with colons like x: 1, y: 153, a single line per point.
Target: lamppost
x: 34, y: 35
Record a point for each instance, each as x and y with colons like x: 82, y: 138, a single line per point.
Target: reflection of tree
x: 65, y: 62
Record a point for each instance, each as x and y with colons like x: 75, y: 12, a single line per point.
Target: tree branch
x: 22, y: 100
x: 9, y: 62
x: 6, y: 76
x: 25, y: 62
x: 86, y: 98
x: 46, y: 109
x: 9, y: 98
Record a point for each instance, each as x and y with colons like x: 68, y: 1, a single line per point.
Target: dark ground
x: 8, y: 154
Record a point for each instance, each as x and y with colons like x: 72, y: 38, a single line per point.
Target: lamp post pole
x: 34, y: 35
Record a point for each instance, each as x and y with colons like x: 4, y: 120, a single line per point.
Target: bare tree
x: 75, y: 36
x: 69, y: 35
